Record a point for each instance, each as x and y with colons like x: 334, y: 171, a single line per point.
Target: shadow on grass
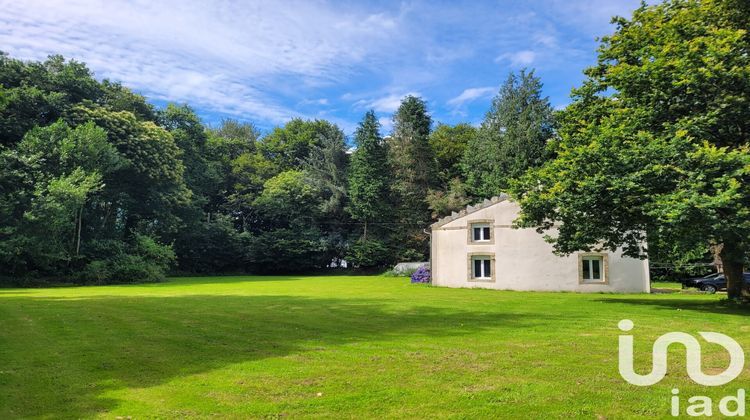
x: 234, y: 278
x: 168, y: 282
x: 712, y: 306
x: 240, y: 278
x: 59, y: 355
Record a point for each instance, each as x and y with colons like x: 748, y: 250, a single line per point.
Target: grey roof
x: 471, y: 209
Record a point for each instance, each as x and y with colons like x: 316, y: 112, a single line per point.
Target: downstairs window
x: 481, y: 267
x: 592, y: 269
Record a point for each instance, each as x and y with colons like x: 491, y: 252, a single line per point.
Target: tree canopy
x: 512, y: 138
x: 652, y: 157
x: 655, y: 143
x: 414, y: 169
x: 369, y: 192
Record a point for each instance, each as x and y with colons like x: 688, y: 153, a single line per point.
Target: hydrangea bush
x: 422, y: 275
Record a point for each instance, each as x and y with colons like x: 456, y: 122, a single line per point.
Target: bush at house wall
x: 422, y: 275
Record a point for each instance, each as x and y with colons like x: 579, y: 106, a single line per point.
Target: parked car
x: 693, y: 281
x: 712, y: 282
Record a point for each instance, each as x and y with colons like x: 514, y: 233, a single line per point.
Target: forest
x: 100, y: 186
x: 652, y: 156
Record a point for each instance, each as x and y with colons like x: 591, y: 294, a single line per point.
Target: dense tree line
x: 652, y: 155
x: 100, y: 186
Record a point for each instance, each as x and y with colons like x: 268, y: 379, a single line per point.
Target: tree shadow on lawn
x: 712, y: 306
x: 168, y: 282
x: 210, y: 279
x: 60, y: 355
x: 240, y: 278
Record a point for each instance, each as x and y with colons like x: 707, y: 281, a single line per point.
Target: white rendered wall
x: 523, y: 260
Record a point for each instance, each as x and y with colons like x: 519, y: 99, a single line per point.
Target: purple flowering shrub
x: 422, y: 275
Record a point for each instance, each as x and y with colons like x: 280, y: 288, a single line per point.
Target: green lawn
x: 340, y: 347
x: 667, y: 285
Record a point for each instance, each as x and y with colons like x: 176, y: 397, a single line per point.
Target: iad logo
x: 701, y: 406
x: 693, y: 349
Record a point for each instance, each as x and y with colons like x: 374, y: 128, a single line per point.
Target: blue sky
x: 267, y: 62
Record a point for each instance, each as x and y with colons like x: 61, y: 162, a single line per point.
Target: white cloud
x: 471, y: 94
x: 389, y: 103
x: 518, y: 59
x: 226, y: 57
x: 386, y: 125
x: 269, y: 61
x: 546, y: 40
x: 592, y: 16
x: 319, y: 101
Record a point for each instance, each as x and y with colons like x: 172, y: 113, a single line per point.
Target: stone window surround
x: 470, y: 231
x: 470, y: 271
x: 605, y: 267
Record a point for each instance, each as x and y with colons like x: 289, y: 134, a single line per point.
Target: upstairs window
x: 480, y: 232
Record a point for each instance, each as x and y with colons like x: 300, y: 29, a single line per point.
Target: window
x: 480, y: 232
x: 481, y: 267
x: 593, y: 269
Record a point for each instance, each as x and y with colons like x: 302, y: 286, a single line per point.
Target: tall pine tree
x: 512, y: 138
x: 415, y: 172
x: 369, y: 178
x: 369, y: 181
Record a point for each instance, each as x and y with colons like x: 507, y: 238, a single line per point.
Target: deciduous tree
x: 657, y: 139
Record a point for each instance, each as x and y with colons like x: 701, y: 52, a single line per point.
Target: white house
x: 477, y: 247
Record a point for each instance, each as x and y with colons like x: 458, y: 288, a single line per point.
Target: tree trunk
x: 80, y: 223
x: 131, y: 222
x: 365, y: 235
x: 108, y: 207
x: 732, y: 262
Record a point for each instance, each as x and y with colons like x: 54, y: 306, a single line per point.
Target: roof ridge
x: 471, y: 208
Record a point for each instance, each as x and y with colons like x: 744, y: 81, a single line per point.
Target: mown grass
x: 666, y: 285
x: 340, y: 346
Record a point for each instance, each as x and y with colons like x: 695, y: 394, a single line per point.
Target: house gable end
x: 470, y: 210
